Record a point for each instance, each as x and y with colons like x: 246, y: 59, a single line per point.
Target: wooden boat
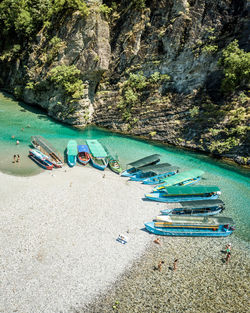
x: 41, y: 159
x: 83, y: 155
x: 99, y: 157
x: 191, y: 226
x: 46, y: 148
x: 154, y: 180
x: 114, y: 164
x: 136, y: 165
x: 188, y: 193
x: 153, y: 170
x: 72, y: 153
x: 181, y: 179
x: 196, y: 208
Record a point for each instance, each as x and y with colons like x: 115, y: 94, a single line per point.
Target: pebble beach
x: 59, y: 251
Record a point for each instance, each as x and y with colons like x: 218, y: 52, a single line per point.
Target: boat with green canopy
x: 98, y: 155
x: 187, y: 193
x: 196, y: 208
x: 72, y: 153
x: 151, y: 171
x: 181, y: 179
x: 191, y: 226
x: 136, y: 165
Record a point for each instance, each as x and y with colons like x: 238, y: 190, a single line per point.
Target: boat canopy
x: 182, y: 220
x: 96, y: 149
x: 201, y: 204
x: 151, y: 159
x: 72, y: 147
x: 83, y: 148
x: 159, y: 168
x: 45, y: 145
x: 188, y: 190
x: 181, y: 177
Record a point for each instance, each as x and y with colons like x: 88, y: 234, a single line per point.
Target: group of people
x: 16, y: 158
x: 174, y: 268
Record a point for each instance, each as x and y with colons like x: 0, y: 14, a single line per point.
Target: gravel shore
x: 58, y: 251
x: 203, y: 282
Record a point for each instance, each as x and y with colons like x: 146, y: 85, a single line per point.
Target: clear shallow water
x: 22, y: 121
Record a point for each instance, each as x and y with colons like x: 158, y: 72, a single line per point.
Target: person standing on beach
x: 160, y: 265
x: 14, y: 159
x: 228, y: 257
x: 18, y: 158
x: 175, y: 265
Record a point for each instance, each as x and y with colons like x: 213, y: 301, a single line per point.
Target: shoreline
x: 201, y: 283
x: 58, y: 245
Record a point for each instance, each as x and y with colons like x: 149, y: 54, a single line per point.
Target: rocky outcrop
x: 172, y: 45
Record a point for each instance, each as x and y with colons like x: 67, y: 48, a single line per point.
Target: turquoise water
x: 22, y: 121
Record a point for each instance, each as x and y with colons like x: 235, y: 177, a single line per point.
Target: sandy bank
x: 58, y: 236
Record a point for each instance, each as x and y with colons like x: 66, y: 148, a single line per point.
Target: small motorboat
x: 191, y: 226
x: 41, y: 159
x: 72, y: 153
x: 137, y: 165
x: 83, y: 155
x: 99, y: 157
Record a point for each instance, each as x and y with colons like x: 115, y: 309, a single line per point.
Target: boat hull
x: 210, y: 213
x: 159, y: 196
x: 129, y: 173
x: 99, y: 163
x: 115, y: 166
x: 157, y: 179
x: 84, y: 160
x: 41, y: 161
x: 185, y: 183
x: 183, y: 232
x: 71, y: 160
x: 137, y: 177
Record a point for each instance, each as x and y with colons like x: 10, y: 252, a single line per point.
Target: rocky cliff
x: 143, y: 68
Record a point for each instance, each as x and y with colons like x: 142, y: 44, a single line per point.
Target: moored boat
x: 41, y: 159
x: 188, y: 193
x: 191, y: 226
x: 83, y: 155
x: 114, y: 164
x: 46, y: 148
x: 99, y: 157
x: 149, y: 171
x: 136, y: 165
x: 181, y: 179
x: 72, y: 153
x: 196, y: 208
x: 157, y: 179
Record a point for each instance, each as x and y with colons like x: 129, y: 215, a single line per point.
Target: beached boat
x: 196, y: 208
x: 191, y: 226
x: 114, y: 164
x: 83, y: 155
x: 136, y: 165
x: 150, y: 171
x: 99, y: 157
x: 154, y: 180
x: 41, y: 159
x: 46, y: 148
x: 72, y: 153
x: 154, y: 170
x: 181, y: 179
x: 188, y: 193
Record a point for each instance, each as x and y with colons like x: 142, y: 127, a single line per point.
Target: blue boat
x: 72, y: 153
x: 154, y: 180
x: 180, y: 194
x: 137, y: 165
x: 41, y: 159
x: 196, y: 208
x: 192, y: 226
x: 98, y: 156
x: 153, y: 170
x: 186, y: 178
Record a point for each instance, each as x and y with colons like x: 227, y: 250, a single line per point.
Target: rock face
x: 173, y: 46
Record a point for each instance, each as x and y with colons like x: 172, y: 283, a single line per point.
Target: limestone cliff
x: 150, y: 71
